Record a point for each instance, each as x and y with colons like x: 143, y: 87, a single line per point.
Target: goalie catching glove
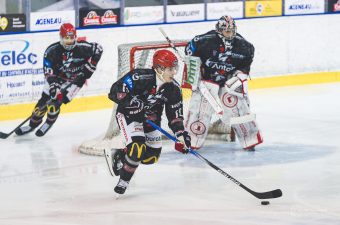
x: 184, y: 142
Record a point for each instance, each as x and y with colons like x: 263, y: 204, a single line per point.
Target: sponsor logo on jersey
x: 128, y: 81
x: 137, y: 76
x: 153, y: 139
x: 176, y: 105
x: 138, y: 148
x: 219, y: 65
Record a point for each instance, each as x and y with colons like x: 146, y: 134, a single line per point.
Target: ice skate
x: 121, y: 186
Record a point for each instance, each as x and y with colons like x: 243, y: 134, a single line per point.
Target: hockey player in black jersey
x: 67, y: 65
x: 225, y: 58
x: 143, y: 94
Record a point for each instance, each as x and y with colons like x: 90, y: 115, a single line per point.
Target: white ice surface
x: 45, y: 181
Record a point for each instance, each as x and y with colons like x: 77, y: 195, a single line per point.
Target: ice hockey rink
x: 46, y: 181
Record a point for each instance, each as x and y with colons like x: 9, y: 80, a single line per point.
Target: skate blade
x: 118, y: 196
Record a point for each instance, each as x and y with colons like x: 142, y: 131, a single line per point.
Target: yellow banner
x: 263, y: 8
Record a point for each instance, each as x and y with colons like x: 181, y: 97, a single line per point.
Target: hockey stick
x: 260, y: 195
x: 6, y: 135
x: 215, y: 103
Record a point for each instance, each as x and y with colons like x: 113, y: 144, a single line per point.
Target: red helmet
x: 164, y: 58
x: 67, y: 30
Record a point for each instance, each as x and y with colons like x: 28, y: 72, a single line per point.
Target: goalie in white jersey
x: 225, y: 58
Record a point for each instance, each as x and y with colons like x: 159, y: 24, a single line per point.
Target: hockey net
x: 139, y: 55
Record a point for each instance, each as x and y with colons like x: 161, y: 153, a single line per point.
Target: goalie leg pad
x: 246, y: 128
x: 199, y: 116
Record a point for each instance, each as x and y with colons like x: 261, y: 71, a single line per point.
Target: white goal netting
x: 139, y: 55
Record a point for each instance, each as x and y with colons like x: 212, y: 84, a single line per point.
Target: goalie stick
x: 260, y: 195
x: 215, y: 103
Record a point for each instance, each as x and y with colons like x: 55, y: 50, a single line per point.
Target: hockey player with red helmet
x: 67, y: 65
x: 143, y: 94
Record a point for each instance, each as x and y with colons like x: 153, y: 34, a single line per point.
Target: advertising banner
x: 12, y: 22
x: 295, y: 7
x: 333, y: 6
x: 99, y: 17
x: 141, y: 15
x: 21, y: 73
x: 218, y: 9
x: 187, y: 12
x: 51, y: 20
x: 263, y: 8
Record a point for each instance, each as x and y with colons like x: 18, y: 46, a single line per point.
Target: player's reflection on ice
x: 38, y: 163
x: 231, y: 155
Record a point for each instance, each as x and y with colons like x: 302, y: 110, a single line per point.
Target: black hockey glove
x: 89, y: 69
x: 184, y: 142
x: 54, y: 90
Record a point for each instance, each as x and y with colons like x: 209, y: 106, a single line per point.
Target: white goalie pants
x: 200, y: 114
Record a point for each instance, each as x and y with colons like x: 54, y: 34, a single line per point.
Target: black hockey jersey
x: 221, y: 58
x: 143, y: 83
x: 61, y: 65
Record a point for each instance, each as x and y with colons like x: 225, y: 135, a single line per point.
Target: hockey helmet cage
x: 164, y: 58
x: 226, y: 23
x: 67, y: 30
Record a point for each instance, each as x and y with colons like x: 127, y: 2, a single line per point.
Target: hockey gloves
x: 54, y: 91
x: 238, y: 84
x: 88, y: 69
x: 184, y: 142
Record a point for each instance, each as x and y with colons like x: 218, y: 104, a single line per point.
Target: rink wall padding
x: 17, y: 111
x: 291, y: 50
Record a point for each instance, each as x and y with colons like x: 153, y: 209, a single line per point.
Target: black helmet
x: 226, y: 23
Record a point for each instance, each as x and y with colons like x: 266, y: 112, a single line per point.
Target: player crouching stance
x: 142, y: 94
x: 67, y: 65
x: 226, y: 58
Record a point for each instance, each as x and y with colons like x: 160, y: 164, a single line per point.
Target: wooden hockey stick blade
x: 260, y: 195
x: 6, y: 135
